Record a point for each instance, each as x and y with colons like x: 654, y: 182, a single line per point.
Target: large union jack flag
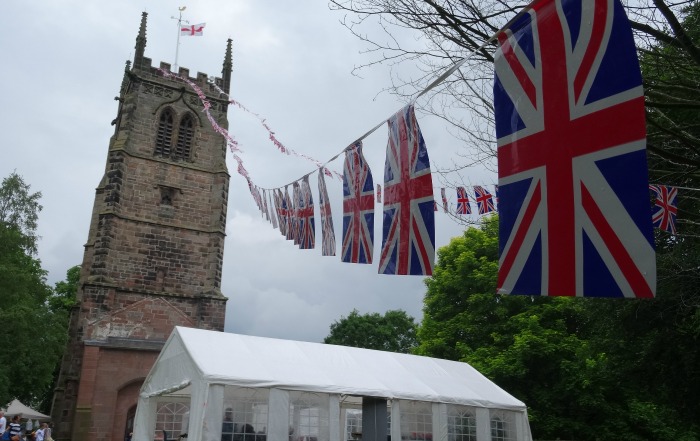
x: 307, y: 226
x: 665, y: 208
x: 358, y: 208
x: 408, y: 239
x: 463, y: 206
x: 324, y: 205
x: 574, y: 204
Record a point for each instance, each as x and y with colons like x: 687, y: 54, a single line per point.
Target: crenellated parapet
x: 144, y: 70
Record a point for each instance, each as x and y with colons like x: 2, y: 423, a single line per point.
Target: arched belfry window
x: 164, y: 136
x: 185, y: 135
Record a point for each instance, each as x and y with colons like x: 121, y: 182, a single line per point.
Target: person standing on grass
x: 15, y: 429
x: 40, y: 434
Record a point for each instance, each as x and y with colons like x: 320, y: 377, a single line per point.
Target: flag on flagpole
x: 196, y: 30
x: 307, y: 225
x: 408, y: 233
x: 484, y: 200
x: 571, y: 143
x: 444, y: 199
x: 324, y: 205
x: 664, y: 217
x: 463, y: 206
x: 358, y: 208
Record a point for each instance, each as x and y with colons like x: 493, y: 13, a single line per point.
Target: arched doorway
x: 129, y: 426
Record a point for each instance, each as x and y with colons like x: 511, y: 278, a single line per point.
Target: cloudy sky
x: 63, y: 66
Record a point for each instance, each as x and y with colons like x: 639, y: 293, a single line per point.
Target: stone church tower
x: 154, y: 253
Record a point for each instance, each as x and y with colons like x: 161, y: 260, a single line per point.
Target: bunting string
x: 271, y: 134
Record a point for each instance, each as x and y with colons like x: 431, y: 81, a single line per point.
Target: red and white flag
x: 193, y: 30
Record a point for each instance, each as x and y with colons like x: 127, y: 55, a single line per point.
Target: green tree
x: 64, y: 296
x: 530, y: 347
x: 33, y: 335
x: 395, y: 331
x: 20, y: 209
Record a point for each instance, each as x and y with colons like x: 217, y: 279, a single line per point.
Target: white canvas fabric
x: 16, y: 407
x: 194, y: 361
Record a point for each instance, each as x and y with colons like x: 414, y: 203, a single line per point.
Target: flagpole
x: 179, y: 28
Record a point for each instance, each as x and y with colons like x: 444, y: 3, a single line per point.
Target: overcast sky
x: 64, y: 62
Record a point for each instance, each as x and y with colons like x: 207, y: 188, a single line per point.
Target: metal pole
x: 179, y: 27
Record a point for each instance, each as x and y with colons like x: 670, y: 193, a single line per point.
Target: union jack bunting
x: 666, y: 210
x: 358, y: 208
x: 444, y: 199
x: 267, y: 213
x: 435, y: 205
x: 288, y: 209
x: 569, y: 112
x: 324, y: 205
x: 484, y: 200
x: 296, y: 202
x: 379, y: 194
x: 307, y: 227
x: 258, y: 200
x: 463, y: 206
x: 408, y: 238
x: 281, y: 211
x: 273, y: 209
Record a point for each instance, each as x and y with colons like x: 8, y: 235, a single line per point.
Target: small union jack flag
x: 570, y: 129
x: 379, y: 194
x: 484, y: 200
x: 463, y: 206
x: 289, y: 215
x: 267, y: 212
x: 666, y: 210
x: 408, y: 239
x: 358, y: 208
x: 324, y: 205
x: 296, y: 206
x: 280, y: 212
x: 307, y: 225
x: 273, y: 208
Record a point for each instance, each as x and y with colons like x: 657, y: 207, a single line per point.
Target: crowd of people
x: 12, y: 431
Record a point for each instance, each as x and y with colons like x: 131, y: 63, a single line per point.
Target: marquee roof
x: 197, y: 356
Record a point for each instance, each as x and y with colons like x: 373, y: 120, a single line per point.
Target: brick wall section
x: 149, y: 264
x: 113, y: 393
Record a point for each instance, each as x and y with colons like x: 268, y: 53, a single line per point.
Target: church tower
x: 154, y: 254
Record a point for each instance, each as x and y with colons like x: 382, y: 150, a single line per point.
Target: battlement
x: 200, y: 80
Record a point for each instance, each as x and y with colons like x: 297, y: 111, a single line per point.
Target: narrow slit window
x: 184, y: 138
x: 164, y: 136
